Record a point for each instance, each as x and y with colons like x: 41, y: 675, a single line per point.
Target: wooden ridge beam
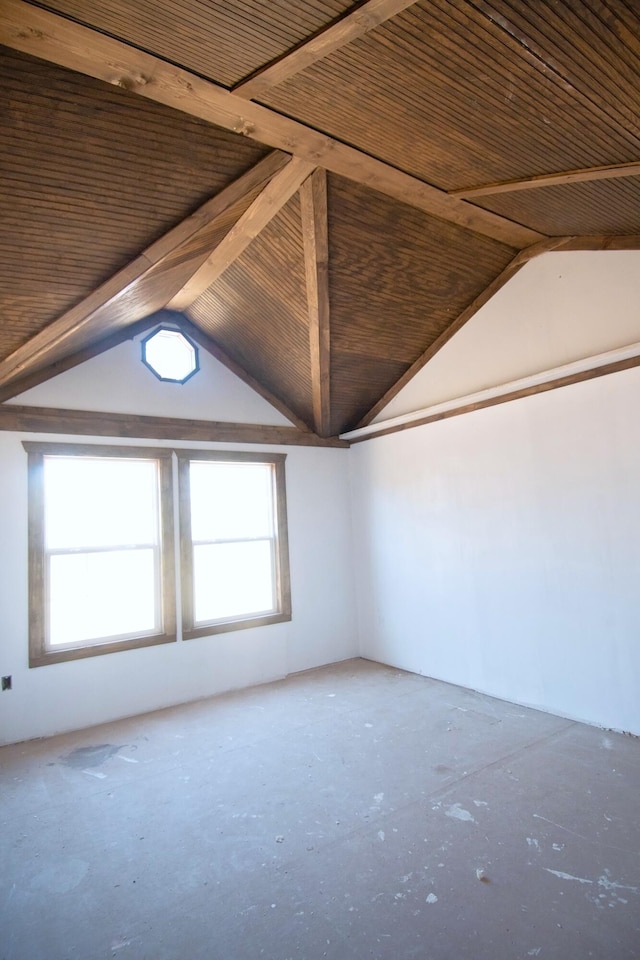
x: 125, y: 281
x: 269, y: 201
x: 315, y: 235
x: 509, y: 271
x: 23, y: 419
x: 584, y: 175
x: 356, y: 23
x: 68, y: 44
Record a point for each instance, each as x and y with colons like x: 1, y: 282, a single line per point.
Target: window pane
x: 96, y: 502
x: 230, y: 500
x: 99, y: 595
x: 232, y: 580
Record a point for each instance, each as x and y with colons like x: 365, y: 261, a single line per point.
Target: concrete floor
x: 354, y: 811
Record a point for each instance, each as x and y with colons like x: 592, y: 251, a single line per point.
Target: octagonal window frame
x: 167, y: 328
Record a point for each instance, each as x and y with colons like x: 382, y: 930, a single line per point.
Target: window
x: 101, y: 555
x: 102, y: 558
x: 170, y: 354
x: 234, y: 551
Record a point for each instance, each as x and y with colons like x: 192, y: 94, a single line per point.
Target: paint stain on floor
x: 93, y: 756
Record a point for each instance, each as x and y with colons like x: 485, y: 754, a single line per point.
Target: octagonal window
x: 170, y: 354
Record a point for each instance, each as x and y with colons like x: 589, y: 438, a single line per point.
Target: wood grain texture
x: 616, y: 367
x: 68, y: 44
x: 23, y: 419
x: 463, y: 317
x: 224, y: 41
x: 211, y: 346
x: 264, y: 208
x: 447, y: 92
x: 257, y: 312
x: 348, y: 28
x: 315, y: 234
x: 89, y: 177
x: 150, y: 280
x: 607, y: 172
x: 418, y: 273
x: 30, y: 380
x: 600, y: 207
x: 591, y: 48
x: 444, y: 93
x: 628, y: 242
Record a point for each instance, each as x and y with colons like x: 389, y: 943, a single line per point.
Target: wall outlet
x: 6, y: 683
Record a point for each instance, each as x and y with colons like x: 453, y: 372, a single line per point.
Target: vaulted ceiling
x: 322, y: 192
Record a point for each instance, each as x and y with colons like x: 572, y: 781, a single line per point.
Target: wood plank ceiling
x: 322, y: 192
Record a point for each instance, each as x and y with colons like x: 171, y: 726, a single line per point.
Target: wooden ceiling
x: 322, y: 192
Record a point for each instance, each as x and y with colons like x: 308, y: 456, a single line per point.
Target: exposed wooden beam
x: 34, y: 379
x: 209, y: 344
x: 348, y: 28
x: 315, y: 235
x: 272, y: 198
x: 509, y: 271
x: 51, y: 37
x: 124, y: 283
x: 491, y: 401
x: 584, y: 175
x: 606, y: 242
x: 94, y: 424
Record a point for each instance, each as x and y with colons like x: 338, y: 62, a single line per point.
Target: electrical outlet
x: 6, y: 683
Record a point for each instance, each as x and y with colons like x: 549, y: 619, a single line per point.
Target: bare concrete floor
x: 354, y: 811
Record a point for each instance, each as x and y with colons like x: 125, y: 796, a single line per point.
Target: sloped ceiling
x: 324, y: 191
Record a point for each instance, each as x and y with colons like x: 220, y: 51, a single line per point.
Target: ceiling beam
x: 348, y: 28
x: 51, y: 37
x: 584, y: 175
x: 126, y: 281
x: 315, y: 236
x: 269, y: 201
x: 604, y: 242
x: 509, y: 271
x: 89, y: 423
x: 36, y: 377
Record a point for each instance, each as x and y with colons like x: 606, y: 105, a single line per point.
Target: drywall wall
x: 71, y: 695
x: 500, y: 550
x: 117, y: 382
x: 559, y: 308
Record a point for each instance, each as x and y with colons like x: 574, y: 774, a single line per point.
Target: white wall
x: 500, y: 550
x: 66, y: 696
x: 117, y: 382
x: 559, y: 308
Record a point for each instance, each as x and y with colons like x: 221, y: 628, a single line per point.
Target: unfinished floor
x: 353, y: 811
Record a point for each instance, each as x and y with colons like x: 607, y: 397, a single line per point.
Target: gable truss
x: 177, y: 269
